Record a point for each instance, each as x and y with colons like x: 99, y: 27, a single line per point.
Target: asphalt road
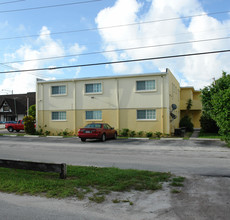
x: 180, y: 156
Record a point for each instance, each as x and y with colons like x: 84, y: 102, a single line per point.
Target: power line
x: 4, y: 3
x: 35, y: 74
x: 110, y: 27
x: 49, y: 6
x: 159, y: 36
x: 117, y: 50
x: 117, y: 62
x: 3, y: 64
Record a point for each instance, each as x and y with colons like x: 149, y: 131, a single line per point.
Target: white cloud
x: 196, y: 71
x: 76, y: 49
x: 43, y: 47
x: 77, y: 71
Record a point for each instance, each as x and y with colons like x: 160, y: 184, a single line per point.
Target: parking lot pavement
x: 5, y: 131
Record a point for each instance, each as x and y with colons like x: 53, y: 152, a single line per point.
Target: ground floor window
x: 59, y: 116
x: 146, y: 114
x: 95, y: 115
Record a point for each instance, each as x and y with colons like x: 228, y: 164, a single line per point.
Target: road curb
x: 205, y: 139
x: 35, y: 136
x: 138, y: 138
x: 171, y: 139
x: 54, y: 136
x: 6, y: 135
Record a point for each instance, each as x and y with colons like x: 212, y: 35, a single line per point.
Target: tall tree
x: 32, y: 111
x: 216, y: 104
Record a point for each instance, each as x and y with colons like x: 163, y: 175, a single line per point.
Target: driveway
x: 205, y: 164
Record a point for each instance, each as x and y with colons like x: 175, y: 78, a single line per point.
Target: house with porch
x: 14, y: 107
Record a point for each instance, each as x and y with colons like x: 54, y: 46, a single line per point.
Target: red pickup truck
x: 15, y: 126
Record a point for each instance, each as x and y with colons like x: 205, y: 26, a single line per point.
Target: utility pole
x: 7, y: 90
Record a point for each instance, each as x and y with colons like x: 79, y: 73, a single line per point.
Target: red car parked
x: 14, y: 125
x: 100, y: 131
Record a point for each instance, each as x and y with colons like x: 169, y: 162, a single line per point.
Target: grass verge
x: 209, y: 135
x: 91, y: 182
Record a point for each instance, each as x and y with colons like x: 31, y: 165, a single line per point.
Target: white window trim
x: 64, y: 94
x: 146, y: 119
x: 155, y: 119
x: 93, y: 119
x: 146, y: 91
x: 93, y: 93
x: 58, y: 120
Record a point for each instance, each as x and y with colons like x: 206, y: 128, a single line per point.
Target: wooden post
x: 63, y: 171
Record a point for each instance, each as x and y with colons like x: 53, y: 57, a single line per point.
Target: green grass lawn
x: 208, y: 135
x: 91, y: 182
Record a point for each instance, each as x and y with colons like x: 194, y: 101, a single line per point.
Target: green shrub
x: 47, y: 133
x: 149, y: 134
x: 132, y: 133
x: 140, y: 133
x: 208, y: 124
x: 65, y: 132
x: 39, y: 131
x: 29, y: 125
x: 32, y: 111
x: 158, y: 134
x: 165, y: 135
x: 125, y: 132
x: 187, y: 123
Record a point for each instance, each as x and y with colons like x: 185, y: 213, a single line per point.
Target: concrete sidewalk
x: 195, y: 133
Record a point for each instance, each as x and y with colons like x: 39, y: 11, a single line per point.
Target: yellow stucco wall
x: 194, y: 115
x: 196, y: 109
x: 128, y: 119
x: 46, y: 124
x: 108, y: 116
x: 174, y: 98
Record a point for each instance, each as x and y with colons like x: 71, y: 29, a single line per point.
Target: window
x: 93, y: 115
x: 59, y: 116
x: 106, y: 126
x: 58, y: 90
x: 148, y: 85
x: 93, y: 126
x: 146, y: 114
x: 93, y: 88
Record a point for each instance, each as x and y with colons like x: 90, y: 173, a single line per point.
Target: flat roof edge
x: 190, y: 87
x: 104, y: 77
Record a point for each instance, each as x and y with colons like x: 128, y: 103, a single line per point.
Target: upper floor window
x: 93, y: 88
x: 147, y: 85
x: 58, y: 90
x: 146, y: 114
x: 58, y: 116
x: 95, y: 115
x: 6, y: 107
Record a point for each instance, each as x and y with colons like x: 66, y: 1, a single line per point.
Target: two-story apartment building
x: 139, y: 102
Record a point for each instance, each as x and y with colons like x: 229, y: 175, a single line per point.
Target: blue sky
x: 40, y: 26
